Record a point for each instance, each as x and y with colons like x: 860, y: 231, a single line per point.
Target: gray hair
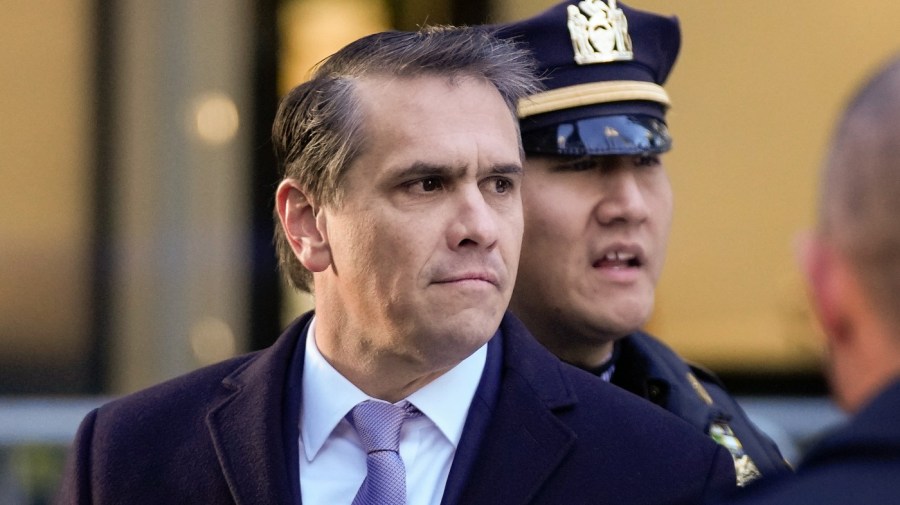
x: 859, y: 206
x: 319, y: 130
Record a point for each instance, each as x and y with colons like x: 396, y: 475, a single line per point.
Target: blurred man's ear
x: 304, y: 229
x: 835, y: 291
x: 820, y: 264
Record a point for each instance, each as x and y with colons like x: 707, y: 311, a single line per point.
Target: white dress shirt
x: 332, y: 459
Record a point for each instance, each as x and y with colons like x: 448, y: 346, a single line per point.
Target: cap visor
x: 600, y: 136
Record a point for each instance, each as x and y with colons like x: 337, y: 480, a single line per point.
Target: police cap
x: 603, y: 65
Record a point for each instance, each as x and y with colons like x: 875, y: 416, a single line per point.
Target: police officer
x: 598, y: 209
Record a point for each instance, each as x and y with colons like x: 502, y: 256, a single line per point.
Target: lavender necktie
x: 378, y: 425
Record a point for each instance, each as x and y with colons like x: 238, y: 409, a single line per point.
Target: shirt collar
x: 328, y: 396
x: 446, y: 400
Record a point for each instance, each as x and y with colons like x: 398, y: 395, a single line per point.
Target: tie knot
x: 379, y: 423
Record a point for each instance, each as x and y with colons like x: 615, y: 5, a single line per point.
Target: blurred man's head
x: 852, y: 261
x: 598, y: 203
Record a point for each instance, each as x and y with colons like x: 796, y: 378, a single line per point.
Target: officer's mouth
x: 619, y: 260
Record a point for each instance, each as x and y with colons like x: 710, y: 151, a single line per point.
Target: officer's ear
x: 304, y: 226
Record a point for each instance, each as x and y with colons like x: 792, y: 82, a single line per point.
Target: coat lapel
x: 522, y: 446
x: 525, y: 441
x: 247, y: 425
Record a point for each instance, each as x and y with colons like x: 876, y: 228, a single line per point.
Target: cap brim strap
x: 590, y: 94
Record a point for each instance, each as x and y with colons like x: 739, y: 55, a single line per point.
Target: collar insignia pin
x: 744, y: 468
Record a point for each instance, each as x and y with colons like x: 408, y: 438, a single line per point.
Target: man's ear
x: 305, y: 231
x: 824, y: 271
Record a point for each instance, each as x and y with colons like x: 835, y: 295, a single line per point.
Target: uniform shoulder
x: 658, y: 351
x: 706, y: 375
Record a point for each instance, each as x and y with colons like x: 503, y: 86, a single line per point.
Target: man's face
x: 425, y: 243
x: 596, y: 230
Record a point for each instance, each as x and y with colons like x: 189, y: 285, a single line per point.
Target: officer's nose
x: 623, y: 199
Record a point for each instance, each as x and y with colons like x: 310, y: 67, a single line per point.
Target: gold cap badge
x: 599, y: 32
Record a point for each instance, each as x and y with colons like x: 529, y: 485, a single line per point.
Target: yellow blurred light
x: 212, y: 340
x: 216, y: 118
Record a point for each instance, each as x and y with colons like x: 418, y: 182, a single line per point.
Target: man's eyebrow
x: 424, y: 169
x: 507, y: 168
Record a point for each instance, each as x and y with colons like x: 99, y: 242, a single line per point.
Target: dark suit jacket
x: 858, y: 464
x: 543, y: 432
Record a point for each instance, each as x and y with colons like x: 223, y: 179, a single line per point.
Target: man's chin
x: 467, y: 324
x: 615, y: 325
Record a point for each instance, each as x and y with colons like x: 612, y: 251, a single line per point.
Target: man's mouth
x: 486, y: 277
x: 618, y: 260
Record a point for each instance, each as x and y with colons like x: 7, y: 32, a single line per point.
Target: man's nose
x: 623, y: 200
x: 475, y: 223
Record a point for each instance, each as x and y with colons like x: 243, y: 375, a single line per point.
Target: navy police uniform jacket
x: 647, y: 367
x: 537, y: 432
x: 857, y: 464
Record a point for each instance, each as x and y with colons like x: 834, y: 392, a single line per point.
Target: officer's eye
x: 646, y: 160
x: 579, y: 165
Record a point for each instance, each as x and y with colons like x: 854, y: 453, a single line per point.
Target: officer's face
x: 595, y: 237
x: 425, y: 246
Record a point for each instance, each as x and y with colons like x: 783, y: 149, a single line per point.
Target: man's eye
x: 430, y: 184
x: 502, y: 185
x: 578, y: 166
x: 647, y: 160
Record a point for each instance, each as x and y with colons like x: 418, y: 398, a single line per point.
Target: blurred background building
x: 137, y: 183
